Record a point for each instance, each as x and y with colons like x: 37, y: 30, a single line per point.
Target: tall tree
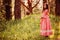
x: 17, y: 9
x: 0, y: 4
x: 7, y: 6
x: 29, y: 7
x: 57, y: 10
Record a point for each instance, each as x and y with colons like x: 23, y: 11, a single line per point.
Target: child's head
x: 45, y: 5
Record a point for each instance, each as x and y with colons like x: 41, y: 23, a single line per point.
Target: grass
x: 27, y: 28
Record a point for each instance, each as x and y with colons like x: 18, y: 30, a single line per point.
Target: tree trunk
x: 17, y: 9
x: 30, y: 5
x: 8, y: 13
x: 57, y: 10
x: 0, y: 4
x: 30, y: 8
x: 13, y: 4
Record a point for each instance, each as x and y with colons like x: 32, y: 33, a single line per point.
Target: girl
x: 45, y: 26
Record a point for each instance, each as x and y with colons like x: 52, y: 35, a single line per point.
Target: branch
x: 24, y: 4
x: 36, y: 4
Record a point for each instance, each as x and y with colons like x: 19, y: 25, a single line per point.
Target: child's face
x: 44, y: 5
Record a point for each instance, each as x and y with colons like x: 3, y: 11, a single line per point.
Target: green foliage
x: 25, y: 29
x: 54, y: 20
x: 55, y: 24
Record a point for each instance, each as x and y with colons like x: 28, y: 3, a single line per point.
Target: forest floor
x: 28, y: 28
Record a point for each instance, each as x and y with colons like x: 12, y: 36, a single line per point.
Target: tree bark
x: 57, y: 10
x: 0, y: 5
x: 30, y: 6
x: 17, y: 9
x: 7, y: 6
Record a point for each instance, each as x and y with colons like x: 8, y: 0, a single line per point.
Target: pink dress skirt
x: 45, y: 25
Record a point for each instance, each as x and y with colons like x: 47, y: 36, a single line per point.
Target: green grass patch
x: 27, y: 28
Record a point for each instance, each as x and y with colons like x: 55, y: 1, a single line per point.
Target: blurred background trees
x: 19, y: 9
x: 13, y: 9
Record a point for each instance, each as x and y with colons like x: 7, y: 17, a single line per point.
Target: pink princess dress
x: 45, y: 25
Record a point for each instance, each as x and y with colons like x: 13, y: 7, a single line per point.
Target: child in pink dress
x: 45, y: 26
